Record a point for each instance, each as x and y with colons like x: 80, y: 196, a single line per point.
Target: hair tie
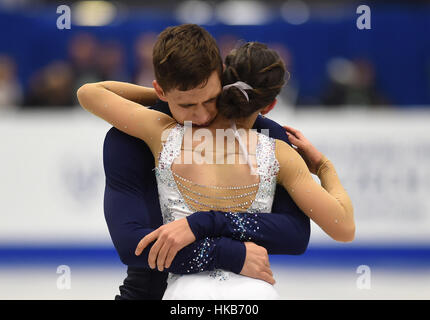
x: 242, y: 86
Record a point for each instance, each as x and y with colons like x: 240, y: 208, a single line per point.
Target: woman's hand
x: 307, y: 151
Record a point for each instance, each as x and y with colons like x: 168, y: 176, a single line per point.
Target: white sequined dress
x: 216, y: 284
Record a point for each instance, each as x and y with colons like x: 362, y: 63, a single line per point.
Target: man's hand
x: 306, y: 150
x: 171, y: 238
x: 257, y: 263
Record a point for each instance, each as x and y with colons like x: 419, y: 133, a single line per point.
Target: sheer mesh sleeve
x: 328, y: 204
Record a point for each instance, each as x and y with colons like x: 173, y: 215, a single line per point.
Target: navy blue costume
x: 132, y: 210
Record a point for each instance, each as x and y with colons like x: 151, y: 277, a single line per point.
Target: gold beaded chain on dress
x: 207, y: 197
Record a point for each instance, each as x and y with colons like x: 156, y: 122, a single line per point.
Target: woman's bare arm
x: 104, y: 100
x: 328, y: 204
x: 142, y: 95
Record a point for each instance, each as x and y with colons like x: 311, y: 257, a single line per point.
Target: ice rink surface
x: 307, y: 280
x: 101, y: 283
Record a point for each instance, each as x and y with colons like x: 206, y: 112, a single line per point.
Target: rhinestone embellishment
x: 173, y: 205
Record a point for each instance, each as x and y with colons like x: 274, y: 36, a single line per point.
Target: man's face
x: 197, y: 105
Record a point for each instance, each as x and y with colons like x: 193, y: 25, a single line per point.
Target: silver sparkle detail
x: 173, y: 204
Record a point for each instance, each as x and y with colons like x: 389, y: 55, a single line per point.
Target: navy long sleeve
x: 266, y: 230
x: 132, y: 209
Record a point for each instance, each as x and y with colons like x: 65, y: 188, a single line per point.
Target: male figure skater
x: 184, y: 57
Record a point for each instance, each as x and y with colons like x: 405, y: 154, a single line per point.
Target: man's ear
x: 269, y: 107
x: 159, y: 91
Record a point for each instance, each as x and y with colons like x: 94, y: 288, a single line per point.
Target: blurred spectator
x: 11, y: 94
x: 110, y: 62
x: 226, y: 43
x: 52, y: 86
x: 83, y: 54
x: 144, y: 74
x: 352, y: 83
x: 289, y: 92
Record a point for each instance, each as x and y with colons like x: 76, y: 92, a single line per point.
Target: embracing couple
x: 204, y: 229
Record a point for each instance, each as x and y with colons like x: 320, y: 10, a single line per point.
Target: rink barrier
x: 376, y: 256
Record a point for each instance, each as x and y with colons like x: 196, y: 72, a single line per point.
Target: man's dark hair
x: 184, y: 57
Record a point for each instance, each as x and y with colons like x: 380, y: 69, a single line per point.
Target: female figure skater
x: 222, y: 181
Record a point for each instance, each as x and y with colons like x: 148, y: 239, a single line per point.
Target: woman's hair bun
x: 233, y: 96
x: 258, y: 66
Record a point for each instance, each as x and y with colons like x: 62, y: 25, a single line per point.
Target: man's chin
x: 203, y: 124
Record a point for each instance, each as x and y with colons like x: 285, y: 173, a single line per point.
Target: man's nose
x: 203, y: 116
x: 205, y: 119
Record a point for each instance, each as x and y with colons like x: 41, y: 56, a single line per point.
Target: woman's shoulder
x: 284, y: 150
x: 157, y: 121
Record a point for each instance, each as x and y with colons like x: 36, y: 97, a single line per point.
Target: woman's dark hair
x: 260, y: 67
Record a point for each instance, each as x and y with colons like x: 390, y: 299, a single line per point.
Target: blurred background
x: 361, y: 96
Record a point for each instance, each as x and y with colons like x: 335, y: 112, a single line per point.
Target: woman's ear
x: 269, y: 107
x: 159, y: 91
